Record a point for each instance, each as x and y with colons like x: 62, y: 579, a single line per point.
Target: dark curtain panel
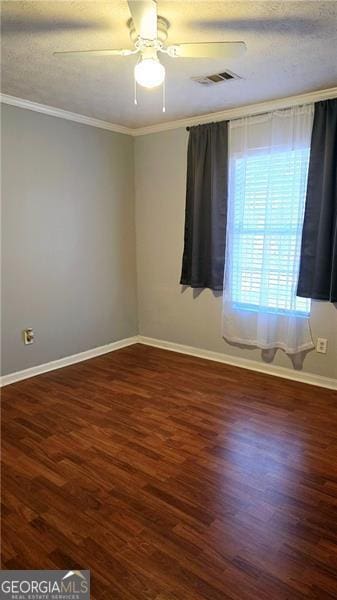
x: 318, y: 266
x: 206, y: 207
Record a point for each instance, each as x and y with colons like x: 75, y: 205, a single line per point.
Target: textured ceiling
x: 292, y: 48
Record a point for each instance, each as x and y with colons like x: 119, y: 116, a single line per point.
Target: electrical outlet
x: 28, y: 336
x: 322, y: 345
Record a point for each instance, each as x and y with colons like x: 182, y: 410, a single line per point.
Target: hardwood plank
x: 172, y: 478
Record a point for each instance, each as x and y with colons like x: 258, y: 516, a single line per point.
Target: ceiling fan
x: 148, y: 32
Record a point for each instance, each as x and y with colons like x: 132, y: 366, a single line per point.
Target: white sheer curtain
x: 268, y: 167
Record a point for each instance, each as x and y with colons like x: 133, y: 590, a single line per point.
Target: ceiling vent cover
x: 216, y: 78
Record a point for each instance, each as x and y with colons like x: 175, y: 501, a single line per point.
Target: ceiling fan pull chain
x: 135, y: 91
x: 164, y: 95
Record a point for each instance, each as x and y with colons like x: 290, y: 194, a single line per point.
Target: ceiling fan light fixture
x: 149, y: 72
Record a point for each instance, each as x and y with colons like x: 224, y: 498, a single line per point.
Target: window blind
x: 269, y: 191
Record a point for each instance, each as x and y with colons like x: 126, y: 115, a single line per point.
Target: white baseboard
x: 67, y: 360
x: 244, y: 363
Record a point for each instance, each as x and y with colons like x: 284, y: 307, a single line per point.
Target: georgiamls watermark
x: 45, y: 585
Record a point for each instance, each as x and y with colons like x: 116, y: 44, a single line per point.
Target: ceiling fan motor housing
x: 162, y: 28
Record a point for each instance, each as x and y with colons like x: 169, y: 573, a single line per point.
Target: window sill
x: 268, y: 310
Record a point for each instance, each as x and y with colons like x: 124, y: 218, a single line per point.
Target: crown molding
x: 240, y: 111
x: 223, y: 115
x: 64, y: 114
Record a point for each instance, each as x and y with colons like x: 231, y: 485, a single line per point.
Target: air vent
x: 216, y: 78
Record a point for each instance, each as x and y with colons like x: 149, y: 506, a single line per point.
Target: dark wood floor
x: 172, y: 478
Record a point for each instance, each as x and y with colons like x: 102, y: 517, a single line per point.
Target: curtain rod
x: 263, y: 112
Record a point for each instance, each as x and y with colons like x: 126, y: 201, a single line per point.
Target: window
x: 268, y: 170
x: 268, y: 190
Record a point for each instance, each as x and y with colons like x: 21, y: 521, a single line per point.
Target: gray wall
x: 165, y: 310
x: 68, y: 237
x: 69, y: 256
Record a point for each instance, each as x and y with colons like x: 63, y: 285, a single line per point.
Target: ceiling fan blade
x: 144, y: 15
x: 207, y: 50
x: 121, y: 52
